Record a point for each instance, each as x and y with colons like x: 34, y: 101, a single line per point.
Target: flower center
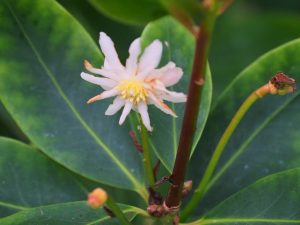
x: 133, y: 90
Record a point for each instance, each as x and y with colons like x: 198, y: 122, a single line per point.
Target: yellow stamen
x: 133, y: 90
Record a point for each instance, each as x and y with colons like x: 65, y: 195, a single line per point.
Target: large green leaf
x: 271, y: 200
x: 179, y: 48
x: 8, y: 126
x: 41, y: 52
x: 130, y: 11
x: 73, y: 213
x: 30, y: 179
x: 267, y: 139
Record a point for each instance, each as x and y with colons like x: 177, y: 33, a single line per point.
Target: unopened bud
x: 281, y: 84
x: 97, y: 198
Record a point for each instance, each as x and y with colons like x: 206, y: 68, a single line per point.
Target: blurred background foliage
x: 247, y: 30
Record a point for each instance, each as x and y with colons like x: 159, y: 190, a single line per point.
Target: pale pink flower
x: 137, y: 84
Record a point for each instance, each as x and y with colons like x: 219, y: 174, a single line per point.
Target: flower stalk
x: 146, y: 155
x: 191, y: 112
x: 280, y: 84
x: 117, y: 211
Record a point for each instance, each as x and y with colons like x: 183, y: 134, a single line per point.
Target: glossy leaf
x: 29, y: 179
x: 42, y: 49
x: 179, y: 48
x: 130, y: 11
x: 73, y: 213
x: 267, y: 139
x: 271, y: 200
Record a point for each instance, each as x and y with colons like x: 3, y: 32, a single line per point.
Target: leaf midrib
x: 108, y: 151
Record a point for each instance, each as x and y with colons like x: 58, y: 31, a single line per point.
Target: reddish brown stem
x: 190, y: 116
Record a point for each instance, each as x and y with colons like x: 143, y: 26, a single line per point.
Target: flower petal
x: 105, y: 83
x: 150, y: 59
x: 171, y: 76
x: 126, y: 111
x: 168, y: 74
x: 173, y: 96
x: 104, y: 72
x: 162, y: 106
x: 109, y: 51
x: 143, y: 110
x: 103, y: 95
x: 134, y: 52
x: 113, y: 108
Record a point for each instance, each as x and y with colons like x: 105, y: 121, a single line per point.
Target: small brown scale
x: 280, y: 80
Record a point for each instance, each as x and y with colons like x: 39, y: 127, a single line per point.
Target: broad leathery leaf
x: 267, y: 139
x: 29, y: 179
x: 130, y: 11
x: 179, y: 46
x: 72, y: 213
x: 270, y: 200
x: 41, y: 53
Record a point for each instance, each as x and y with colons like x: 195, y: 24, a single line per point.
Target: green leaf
x: 130, y: 11
x: 8, y: 126
x: 73, y: 213
x: 179, y: 48
x: 271, y: 200
x: 30, y: 179
x: 267, y: 139
x: 41, y: 53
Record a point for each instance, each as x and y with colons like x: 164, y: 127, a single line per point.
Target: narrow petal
x: 103, y: 95
x: 171, y: 76
x: 150, y: 59
x: 105, y: 83
x: 134, y: 52
x: 143, y: 110
x: 160, y: 72
x: 109, y: 51
x: 168, y: 74
x: 162, y: 106
x: 115, y: 106
x: 104, y: 72
x: 173, y: 96
x: 126, y: 111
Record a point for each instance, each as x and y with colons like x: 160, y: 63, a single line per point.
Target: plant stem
x: 117, y: 211
x: 219, y: 149
x: 146, y: 155
x: 191, y: 112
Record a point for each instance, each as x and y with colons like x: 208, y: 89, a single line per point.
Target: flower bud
x: 97, y: 198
